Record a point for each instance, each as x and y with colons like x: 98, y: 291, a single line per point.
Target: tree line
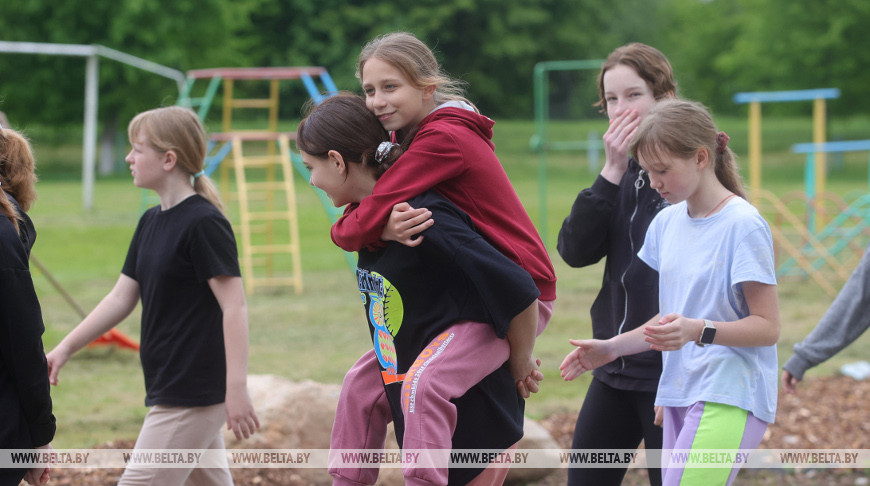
x: 717, y: 47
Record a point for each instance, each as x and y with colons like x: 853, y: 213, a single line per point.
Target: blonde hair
x: 17, y: 174
x: 178, y: 129
x: 416, y: 62
x: 648, y: 62
x: 680, y: 128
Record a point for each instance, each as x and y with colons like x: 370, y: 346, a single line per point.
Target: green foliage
x: 492, y: 44
x: 723, y: 47
x: 717, y: 47
x: 694, y: 41
x: 181, y: 34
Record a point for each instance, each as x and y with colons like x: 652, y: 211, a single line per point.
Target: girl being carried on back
x: 419, y: 303
x: 448, y: 148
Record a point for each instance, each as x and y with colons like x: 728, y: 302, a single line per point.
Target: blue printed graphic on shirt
x: 385, y: 313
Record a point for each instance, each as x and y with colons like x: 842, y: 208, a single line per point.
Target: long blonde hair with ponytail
x: 680, y: 128
x: 178, y: 129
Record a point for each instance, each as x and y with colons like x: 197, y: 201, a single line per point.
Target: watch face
x: 708, y: 334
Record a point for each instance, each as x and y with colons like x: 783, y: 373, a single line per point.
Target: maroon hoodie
x: 453, y: 153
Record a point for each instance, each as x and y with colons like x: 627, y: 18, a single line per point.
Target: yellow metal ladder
x: 230, y: 104
x: 269, y: 222
x: 269, y: 230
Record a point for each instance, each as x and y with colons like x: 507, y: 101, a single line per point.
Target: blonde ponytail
x: 728, y: 172
x: 203, y: 186
x: 681, y: 128
x: 178, y: 129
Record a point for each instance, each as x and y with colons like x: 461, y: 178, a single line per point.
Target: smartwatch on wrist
x: 707, y: 334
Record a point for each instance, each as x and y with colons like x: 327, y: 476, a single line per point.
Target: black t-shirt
x: 172, y: 256
x: 412, y: 295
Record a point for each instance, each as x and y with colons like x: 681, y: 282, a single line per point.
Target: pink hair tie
x: 722, y: 141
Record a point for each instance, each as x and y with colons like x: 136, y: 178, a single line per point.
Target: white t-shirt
x: 701, y: 264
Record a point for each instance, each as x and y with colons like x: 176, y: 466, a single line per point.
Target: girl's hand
x: 55, y: 360
x: 789, y: 382
x: 588, y: 355
x: 616, y: 139
x: 659, y: 416
x: 41, y: 474
x: 673, y: 332
x: 527, y: 375
x: 406, y: 222
x: 241, y: 418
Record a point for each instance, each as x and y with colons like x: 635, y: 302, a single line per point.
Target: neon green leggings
x: 706, y: 433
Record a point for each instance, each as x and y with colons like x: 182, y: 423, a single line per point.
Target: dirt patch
x: 827, y: 413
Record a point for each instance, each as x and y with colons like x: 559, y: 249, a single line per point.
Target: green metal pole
x: 540, y: 142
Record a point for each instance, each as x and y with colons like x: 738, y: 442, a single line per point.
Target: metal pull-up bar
x: 92, y: 53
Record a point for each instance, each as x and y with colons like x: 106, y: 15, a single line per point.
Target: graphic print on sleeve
x: 385, y: 312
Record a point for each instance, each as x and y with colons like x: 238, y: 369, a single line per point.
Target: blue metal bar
x: 313, y: 92
x: 780, y: 96
x: 213, y: 161
x: 843, y: 146
x: 326, y: 79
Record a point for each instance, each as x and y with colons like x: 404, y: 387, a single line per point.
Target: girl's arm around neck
x: 230, y: 294
x: 114, y: 307
x: 431, y: 159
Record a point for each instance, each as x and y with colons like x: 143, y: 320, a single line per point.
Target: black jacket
x: 26, y: 420
x: 611, y: 221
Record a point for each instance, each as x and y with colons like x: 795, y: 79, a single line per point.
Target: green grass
x: 319, y: 333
